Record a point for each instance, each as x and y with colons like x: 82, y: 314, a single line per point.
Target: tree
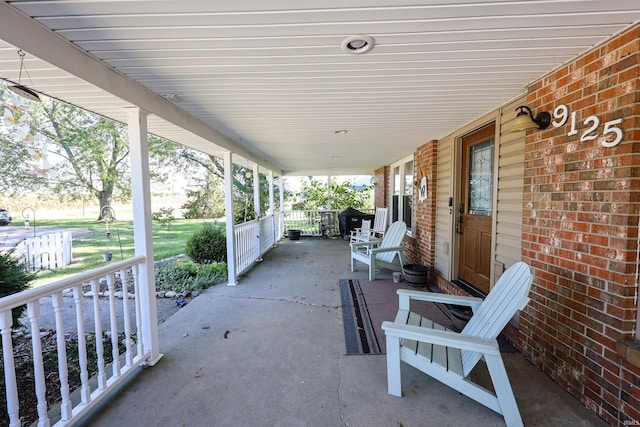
x: 64, y: 149
x: 344, y: 195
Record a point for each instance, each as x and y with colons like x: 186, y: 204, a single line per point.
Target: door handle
x: 459, y: 220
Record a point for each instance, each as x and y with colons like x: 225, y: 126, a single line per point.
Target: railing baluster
x: 128, y: 360
x: 113, y: 317
x: 136, y: 291
x: 13, y: 405
x: 85, y: 389
x: 63, y: 371
x: 102, y: 380
x: 33, y: 313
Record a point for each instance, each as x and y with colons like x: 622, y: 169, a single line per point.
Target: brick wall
x: 425, y: 233
x: 580, y: 231
x: 380, y: 190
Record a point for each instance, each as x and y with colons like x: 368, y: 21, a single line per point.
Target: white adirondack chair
x: 362, y: 233
x: 449, y: 356
x: 381, y: 253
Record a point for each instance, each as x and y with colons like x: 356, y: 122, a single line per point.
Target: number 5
x: 610, y: 127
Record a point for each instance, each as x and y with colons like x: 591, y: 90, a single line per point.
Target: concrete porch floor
x: 270, y: 352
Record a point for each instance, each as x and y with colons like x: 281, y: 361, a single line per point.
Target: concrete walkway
x: 270, y: 352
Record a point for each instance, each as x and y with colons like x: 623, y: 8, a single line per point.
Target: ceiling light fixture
x: 525, y: 121
x: 358, y: 44
x: 19, y: 89
x: 170, y: 96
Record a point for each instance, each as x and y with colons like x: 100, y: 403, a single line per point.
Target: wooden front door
x: 475, y: 211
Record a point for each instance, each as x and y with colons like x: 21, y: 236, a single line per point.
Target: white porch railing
x: 254, y: 238
x: 120, y: 321
x: 312, y: 222
x: 48, y: 252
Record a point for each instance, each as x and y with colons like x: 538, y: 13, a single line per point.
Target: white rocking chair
x: 379, y: 223
x: 449, y: 356
x: 375, y: 233
x: 362, y: 233
x: 381, y: 253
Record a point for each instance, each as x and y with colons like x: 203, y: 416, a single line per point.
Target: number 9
x: 561, y: 112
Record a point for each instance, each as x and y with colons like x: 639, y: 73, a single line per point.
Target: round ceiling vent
x: 358, y: 44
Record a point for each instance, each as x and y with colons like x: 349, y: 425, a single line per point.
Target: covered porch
x: 288, y: 91
x: 272, y: 352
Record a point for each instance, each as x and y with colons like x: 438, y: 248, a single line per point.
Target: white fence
x: 254, y: 238
x: 121, y: 318
x: 312, y: 222
x: 47, y: 252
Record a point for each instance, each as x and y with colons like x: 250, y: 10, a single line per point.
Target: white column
x: 228, y: 204
x: 256, y: 190
x: 271, y: 207
x: 328, y: 192
x: 281, y: 225
x: 142, y: 231
x: 271, y: 202
x: 256, y: 208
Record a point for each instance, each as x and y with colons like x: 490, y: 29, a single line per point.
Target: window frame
x: 401, y: 183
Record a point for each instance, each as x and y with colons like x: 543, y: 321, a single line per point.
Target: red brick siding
x: 380, y: 190
x: 580, y: 231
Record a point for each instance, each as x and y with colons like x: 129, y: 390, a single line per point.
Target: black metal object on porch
x: 350, y: 219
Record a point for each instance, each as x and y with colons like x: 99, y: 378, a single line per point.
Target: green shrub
x: 207, y: 245
x: 183, y: 275
x: 14, y: 278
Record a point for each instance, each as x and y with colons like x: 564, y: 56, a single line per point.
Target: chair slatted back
x: 393, y: 237
x: 509, y: 295
x: 380, y: 220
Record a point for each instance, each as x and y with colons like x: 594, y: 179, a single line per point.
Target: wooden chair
x: 379, y: 223
x: 380, y: 254
x: 361, y: 234
x: 449, y: 356
x: 378, y: 230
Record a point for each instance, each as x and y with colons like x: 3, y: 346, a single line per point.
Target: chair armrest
x: 444, y: 338
x: 405, y: 295
x: 361, y: 244
x: 387, y: 249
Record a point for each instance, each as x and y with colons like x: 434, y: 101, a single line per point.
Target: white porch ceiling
x: 268, y: 79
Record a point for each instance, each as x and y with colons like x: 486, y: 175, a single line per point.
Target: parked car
x: 5, y: 218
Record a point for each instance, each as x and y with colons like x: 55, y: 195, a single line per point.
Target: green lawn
x: 89, y: 242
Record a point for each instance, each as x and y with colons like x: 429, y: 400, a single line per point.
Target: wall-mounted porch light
x: 525, y: 121
x: 19, y: 89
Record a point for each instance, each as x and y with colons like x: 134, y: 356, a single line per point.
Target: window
x: 402, y: 196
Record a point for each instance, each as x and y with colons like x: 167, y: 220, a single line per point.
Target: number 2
x: 595, y: 122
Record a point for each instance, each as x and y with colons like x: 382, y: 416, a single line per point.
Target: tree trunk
x: 104, y: 197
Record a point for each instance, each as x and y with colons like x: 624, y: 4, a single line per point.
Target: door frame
x: 456, y: 181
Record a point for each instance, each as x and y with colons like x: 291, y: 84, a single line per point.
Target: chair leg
x: 503, y: 390
x: 394, y: 381
x: 372, y: 268
x: 353, y: 263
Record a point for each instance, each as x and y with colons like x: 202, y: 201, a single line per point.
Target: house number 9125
x: 591, y: 123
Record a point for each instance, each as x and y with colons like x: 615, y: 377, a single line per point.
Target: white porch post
x: 256, y: 209
x: 328, y: 192
x: 281, y: 187
x: 228, y: 204
x: 271, y: 203
x: 142, y: 231
x: 271, y: 207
